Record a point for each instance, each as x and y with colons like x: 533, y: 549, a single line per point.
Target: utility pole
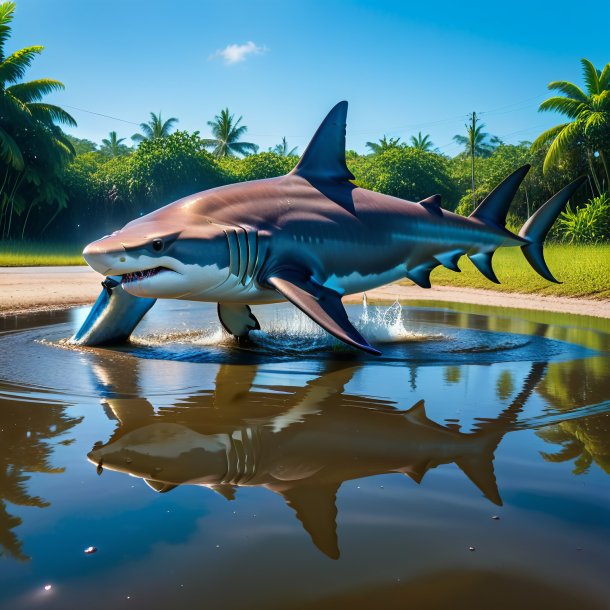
x: 472, y: 145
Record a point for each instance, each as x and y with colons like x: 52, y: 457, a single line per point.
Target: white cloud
x: 235, y: 53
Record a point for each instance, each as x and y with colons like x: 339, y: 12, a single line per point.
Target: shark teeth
x: 142, y: 275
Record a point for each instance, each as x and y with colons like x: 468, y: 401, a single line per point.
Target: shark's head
x: 165, y: 453
x: 167, y: 254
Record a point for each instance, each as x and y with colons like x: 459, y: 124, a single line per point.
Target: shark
x: 309, y: 237
x: 302, y: 443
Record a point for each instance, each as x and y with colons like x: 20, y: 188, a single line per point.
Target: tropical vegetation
x: 589, y: 127
x: 154, y: 128
x: 57, y: 185
x: 227, y: 134
x: 33, y: 148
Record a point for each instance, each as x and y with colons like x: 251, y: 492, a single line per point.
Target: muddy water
x: 469, y: 466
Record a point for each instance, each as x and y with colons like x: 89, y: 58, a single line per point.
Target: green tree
x: 407, y: 173
x: 383, y: 145
x: 422, y: 142
x: 477, y: 142
x: 283, y: 150
x: 227, y: 134
x: 156, y: 127
x: 33, y: 148
x: 81, y: 146
x: 113, y: 146
x: 257, y: 166
x: 589, y: 126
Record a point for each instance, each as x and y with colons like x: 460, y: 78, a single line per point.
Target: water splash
x: 289, y: 332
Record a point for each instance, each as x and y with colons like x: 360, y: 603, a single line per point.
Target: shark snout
x: 99, y: 258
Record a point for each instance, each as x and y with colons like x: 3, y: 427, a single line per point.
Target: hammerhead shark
x: 301, y: 443
x: 308, y: 237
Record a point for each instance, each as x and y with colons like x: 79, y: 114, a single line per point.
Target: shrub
x: 587, y: 224
x: 407, y: 173
x: 258, y: 166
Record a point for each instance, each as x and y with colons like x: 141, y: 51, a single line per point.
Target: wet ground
x: 466, y: 467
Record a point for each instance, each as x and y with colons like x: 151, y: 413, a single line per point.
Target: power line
x: 107, y: 116
x: 514, y: 107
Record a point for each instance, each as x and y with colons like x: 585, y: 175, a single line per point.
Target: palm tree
x: 33, y: 148
x: 590, y: 119
x: 155, y: 128
x: 227, y: 133
x: 477, y: 142
x: 422, y: 142
x: 282, y: 149
x: 383, y: 145
x: 112, y: 145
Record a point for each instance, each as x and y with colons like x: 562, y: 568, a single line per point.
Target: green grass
x: 584, y: 271
x: 39, y: 254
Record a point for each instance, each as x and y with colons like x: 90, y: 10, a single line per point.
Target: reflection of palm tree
x: 227, y: 134
x: 584, y: 440
x: 156, y: 127
x: 25, y: 449
x: 590, y: 118
x: 383, y: 145
x: 504, y: 385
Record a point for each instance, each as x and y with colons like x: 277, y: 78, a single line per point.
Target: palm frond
x: 591, y: 76
x: 51, y: 113
x: 604, y: 79
x: 14, y: 66
x: 543, y: 139
x: 34, y: 90
x: 569, y: 89
x: 560, y: 145
x: 243, y: 148
x: 9, y: 151
x: 564, y: 105
x: 6, y: 16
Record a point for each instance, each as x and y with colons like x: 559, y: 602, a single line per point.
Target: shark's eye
x: 157, y: 245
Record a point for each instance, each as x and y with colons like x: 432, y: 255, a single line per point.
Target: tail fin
x: 494, y: 208
x: 539, y: 224
x: 492, y: 211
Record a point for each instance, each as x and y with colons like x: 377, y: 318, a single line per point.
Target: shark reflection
x: 299, y: 442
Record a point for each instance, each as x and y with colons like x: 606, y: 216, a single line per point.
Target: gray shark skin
x: 302, y: 443
x: 309, y: 237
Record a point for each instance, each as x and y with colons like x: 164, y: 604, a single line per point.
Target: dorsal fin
x: 324, y: 158
x: 493, y: 209
x: 432, y: 204
x: 316, y: 510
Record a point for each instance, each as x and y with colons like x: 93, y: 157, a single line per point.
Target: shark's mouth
x: 145, y: 274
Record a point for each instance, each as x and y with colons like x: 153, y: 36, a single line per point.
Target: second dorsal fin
x: 324, y: 158
x: 432, y: 204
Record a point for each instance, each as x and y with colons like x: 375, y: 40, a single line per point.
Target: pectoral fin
x: 321, y: 304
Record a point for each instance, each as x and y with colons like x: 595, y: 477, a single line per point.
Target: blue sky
x: 403, y: 66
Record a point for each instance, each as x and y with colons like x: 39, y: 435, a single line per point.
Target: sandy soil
x: 26, y: 289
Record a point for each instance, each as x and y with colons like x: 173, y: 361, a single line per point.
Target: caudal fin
x: 539, y: 224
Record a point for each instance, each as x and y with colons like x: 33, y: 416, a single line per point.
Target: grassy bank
x: 38, y: 254
x: 584, y: 271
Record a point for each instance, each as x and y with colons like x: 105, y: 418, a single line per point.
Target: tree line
x: 53, y: 185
